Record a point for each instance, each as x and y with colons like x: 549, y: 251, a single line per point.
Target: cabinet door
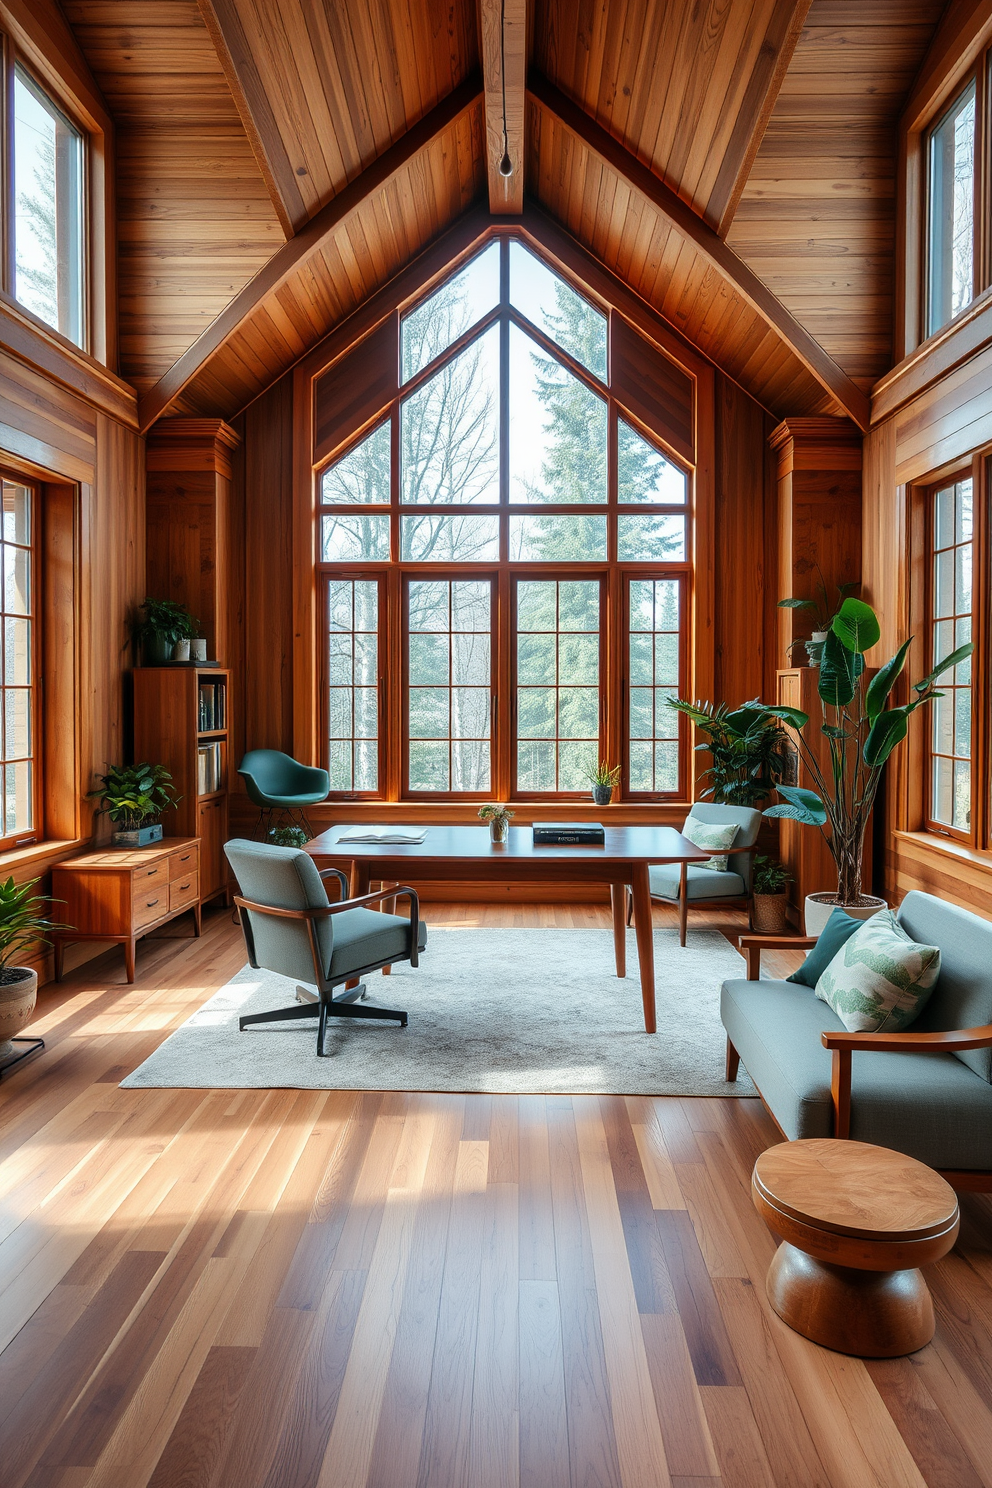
x: 212, y: 832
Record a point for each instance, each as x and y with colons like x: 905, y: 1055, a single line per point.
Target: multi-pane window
x: 19, y: 682
x: 504, y: 498
x: 353, y: 684
x: 951, y: 744
x: 654, y: 648
x: 48, y: 209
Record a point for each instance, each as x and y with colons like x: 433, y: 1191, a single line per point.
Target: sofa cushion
x: 710, y: 835
x: 838, y: 929
x: 880, y: 980
x: 930, y: 1106
x: 700, y: 882
x: 963, y: 995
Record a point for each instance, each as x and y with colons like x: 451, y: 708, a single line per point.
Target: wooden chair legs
x: 733, y: 1063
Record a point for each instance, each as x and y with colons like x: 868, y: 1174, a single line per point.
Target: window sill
x: 947, y: 847
x: 618, y: 814
x: 39, y: 852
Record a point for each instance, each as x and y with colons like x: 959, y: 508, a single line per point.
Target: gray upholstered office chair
x: 290, y: 927
x: 688, y: 883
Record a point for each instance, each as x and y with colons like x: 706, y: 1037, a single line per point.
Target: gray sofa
x: 926, y: 1092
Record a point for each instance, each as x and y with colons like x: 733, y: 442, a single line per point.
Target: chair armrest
x: 341, y: 877
x: 842, y: 1045
x: 753, y: 945
x: 377, y: 897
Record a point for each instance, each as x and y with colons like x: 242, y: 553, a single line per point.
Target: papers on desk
x: 408, y: 836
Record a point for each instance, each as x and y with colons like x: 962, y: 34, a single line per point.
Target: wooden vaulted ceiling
x: 280, y: 160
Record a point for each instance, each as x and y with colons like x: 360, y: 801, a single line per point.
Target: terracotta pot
x: 768, y: 913
x: 17, y: 1000
x: 819, y: 908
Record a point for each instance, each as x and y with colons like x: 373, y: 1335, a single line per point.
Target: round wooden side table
x: 857, y: 1222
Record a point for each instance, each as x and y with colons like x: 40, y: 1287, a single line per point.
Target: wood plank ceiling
x: 243, y: 115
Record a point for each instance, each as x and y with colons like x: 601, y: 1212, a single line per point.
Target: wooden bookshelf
x: 174, y: 726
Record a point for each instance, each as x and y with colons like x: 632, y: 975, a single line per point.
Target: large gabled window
x: 522, y: 543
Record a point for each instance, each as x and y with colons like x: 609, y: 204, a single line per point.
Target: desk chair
x: 290, y: 927
x: 277, y: 782
x: 689, y: 883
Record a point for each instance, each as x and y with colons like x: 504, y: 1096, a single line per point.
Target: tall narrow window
x: 48, y: 210
x: 951, y: 227
x: 558, y: 666
x: 353, y: 684
x: 951, y: 528
x: 655, y: 645
x: 450, y: 679
x: 19, y: 683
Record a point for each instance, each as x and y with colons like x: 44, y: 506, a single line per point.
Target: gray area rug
x: 490, y: 1010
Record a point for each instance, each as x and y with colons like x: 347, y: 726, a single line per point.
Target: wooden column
x: 188, y: 513
x: 819, y: 516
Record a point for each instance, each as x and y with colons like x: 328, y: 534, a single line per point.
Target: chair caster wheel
x: 404, y: 1022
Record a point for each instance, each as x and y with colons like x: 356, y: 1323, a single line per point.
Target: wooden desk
x: 122, y: 893
x: 452, y: 853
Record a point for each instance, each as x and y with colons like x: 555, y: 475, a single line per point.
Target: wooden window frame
x: 346, y: 573
x: 10, y: 842
x: 394, y: 784
x: 978, y: 77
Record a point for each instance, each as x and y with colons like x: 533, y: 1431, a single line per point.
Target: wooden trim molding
x: 503, y: 41
x: 37, y: 346
x: 617, y: 158
x: 950, y: 347
x: 294, y: 254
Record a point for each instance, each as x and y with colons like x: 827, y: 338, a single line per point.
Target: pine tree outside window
x: 513, y: 514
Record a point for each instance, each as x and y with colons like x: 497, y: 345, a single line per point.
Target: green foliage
x: 288, y: 837
x: 135, y: 796
x: 165, y: 617
x: 493, y: 812
x: 770, y: 876
x: 23, y: 921
x: 861, y: 734
x: 604, y: 773
x: 820, y: 608
x: 746, y: 744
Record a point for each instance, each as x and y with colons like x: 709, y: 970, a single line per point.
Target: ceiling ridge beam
x: 618, y: 158
x: 308, y: 241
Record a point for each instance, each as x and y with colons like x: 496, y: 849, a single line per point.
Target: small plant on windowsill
x: 498, y: 817
x: 768, y: 905
x: 134, y: 797
x: 604, y: 779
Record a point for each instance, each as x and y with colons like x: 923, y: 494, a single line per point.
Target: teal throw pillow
x: 838, y: 929
x: 880, y: 980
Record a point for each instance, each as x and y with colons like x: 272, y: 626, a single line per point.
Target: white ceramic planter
x: 180, y: 652
x: 819, y: 907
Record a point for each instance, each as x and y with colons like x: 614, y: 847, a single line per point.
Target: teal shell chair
x: 278, y: 783
x: 291, y: 927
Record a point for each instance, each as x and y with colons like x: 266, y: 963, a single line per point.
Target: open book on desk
x: 409, y: 836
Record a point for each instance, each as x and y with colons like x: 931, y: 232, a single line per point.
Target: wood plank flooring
x: 293, y: 1289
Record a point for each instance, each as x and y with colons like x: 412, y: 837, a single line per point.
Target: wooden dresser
x: 120, y: 894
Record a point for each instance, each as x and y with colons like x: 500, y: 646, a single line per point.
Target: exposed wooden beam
x: 702, y: 237
x: 777, y: 46
x: 503, y: 45
x: 307, y: 242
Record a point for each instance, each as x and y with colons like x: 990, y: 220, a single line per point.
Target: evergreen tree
x: 38, y: 276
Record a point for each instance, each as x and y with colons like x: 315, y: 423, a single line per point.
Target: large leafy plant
x: 861, y: 732
x: 23, y: 922
x: 135, y: 796
x: 747, y: 745
x: 167, y: 618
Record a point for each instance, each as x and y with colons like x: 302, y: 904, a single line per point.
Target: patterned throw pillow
x: 713, y: 835
x: 880, y: 981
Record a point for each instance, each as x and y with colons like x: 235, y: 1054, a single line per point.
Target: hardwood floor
x: 287, y: 1288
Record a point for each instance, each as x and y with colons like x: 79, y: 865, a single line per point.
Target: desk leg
x: 361, y: 879
x: 644, y: 929
x: 618, y: 894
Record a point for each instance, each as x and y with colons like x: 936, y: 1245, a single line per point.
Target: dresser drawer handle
x: 150, y: 872
x: 185, y: 885
x: 186, y: 858
x: 150, y: 903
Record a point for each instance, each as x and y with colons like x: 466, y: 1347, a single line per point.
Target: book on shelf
x: 212, y: 707
x: 400, y: 835
x: 569, y: 834
x: 208, y: 769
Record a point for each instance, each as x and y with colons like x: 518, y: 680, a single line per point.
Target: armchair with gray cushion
x: 291, y: 927
x: 689, y: 884
x: 926, y: 1092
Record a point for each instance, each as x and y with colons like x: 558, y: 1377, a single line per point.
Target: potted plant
x: 165, y: 627
x: 603, y: 777
x: 134, y: 797
x: 823, y: 614
x: 861, y: 731
x: 288, y: 837
x: 498, y: 818
x: 748, y: 749
x: 768, y: 896
x: 22, y: 923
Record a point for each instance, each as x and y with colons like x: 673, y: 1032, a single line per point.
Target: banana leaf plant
x: 861, y: 732
x: 747, y: 745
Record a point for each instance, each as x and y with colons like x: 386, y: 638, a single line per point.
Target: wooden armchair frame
x: 842, y: 1046
x: 683, y: 902
x: 326, y: 1004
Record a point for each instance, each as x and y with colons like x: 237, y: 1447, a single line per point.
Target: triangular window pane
x: 555, y: 308
x: 449, y: 430
x: 362, y: 475
x: 643, y: 473
x: 459, y: 303
x: 558, y: 429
